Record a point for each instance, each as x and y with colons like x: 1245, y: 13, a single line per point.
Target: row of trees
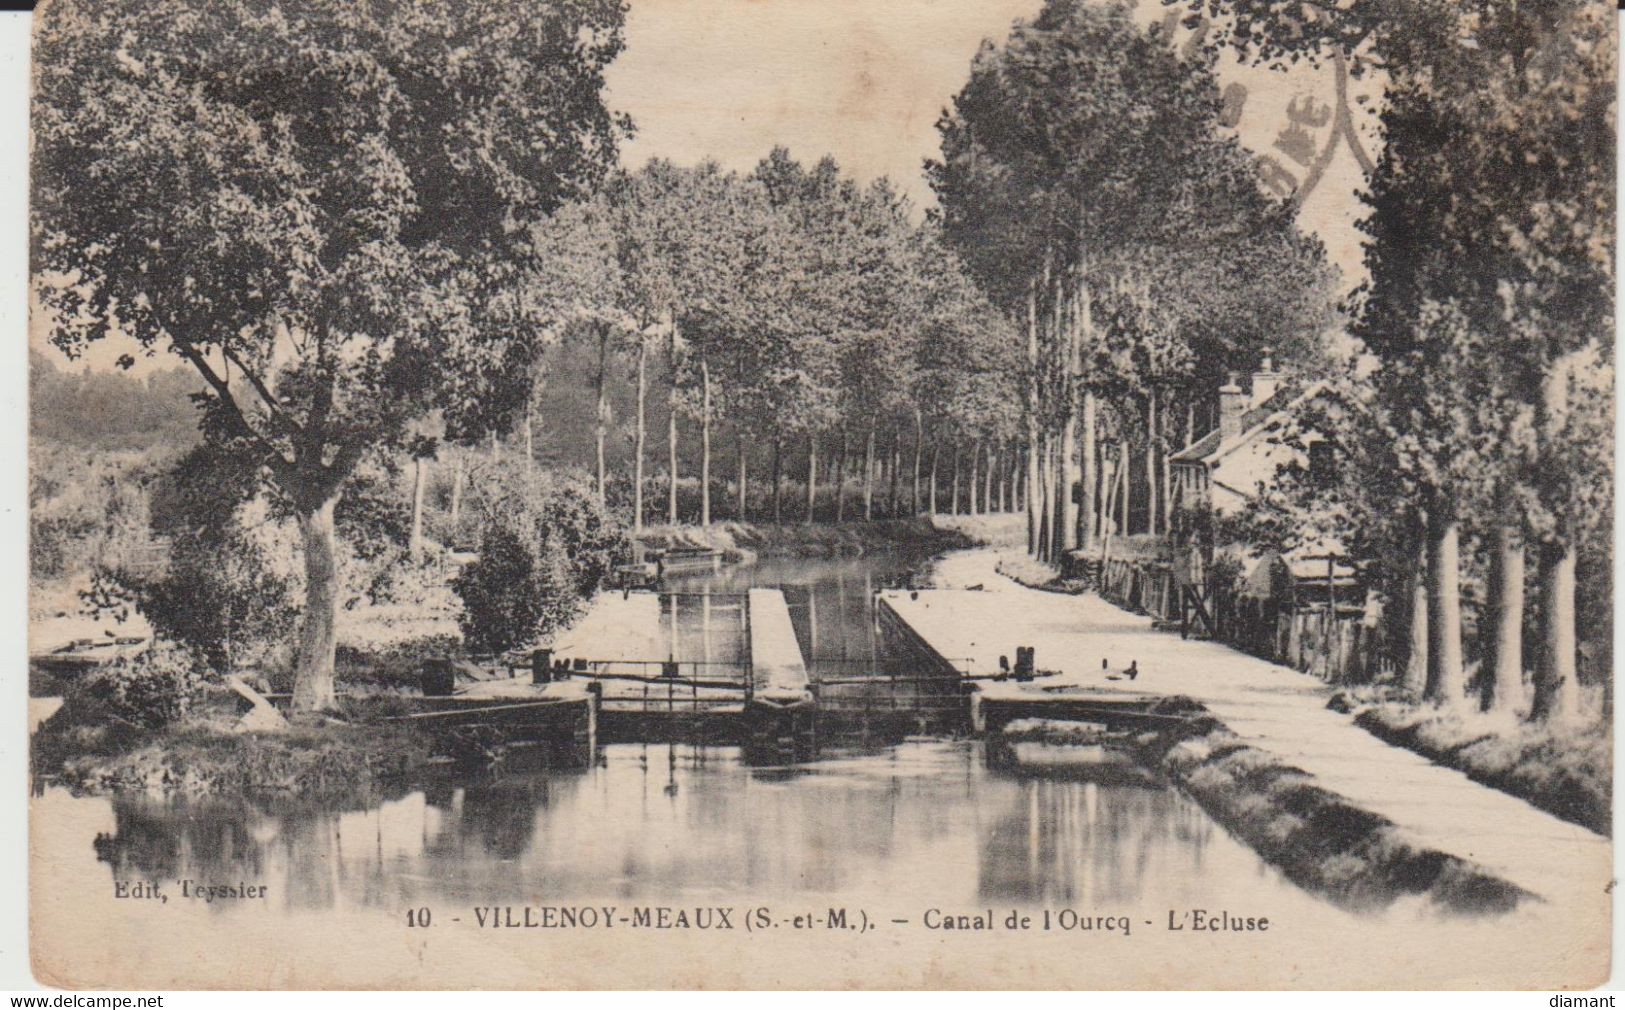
x: 362, y: 227
x: 1088, y: 181
x: 790, y: 306
x: 1478, y: 430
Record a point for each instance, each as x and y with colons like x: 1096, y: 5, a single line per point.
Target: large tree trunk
x: 601, y: 427
x: 988, y: 477
x: 1090, y: 474
x: 1034, y: 498
x: 1165, y: 476
x: 313, y: 674
x: 1127, y: 495
x: 919, y: 436
x: 896, y: 472
x: 778, y: 479
x: 812, y: 475
x: 1060, y: 540
x: 840, y: 480
x: 1117, y: 478
x: 993, y: 480
x: 1503, y: 689
x: 456, y: 492
x: 869, y: 475
x: 420, y: 478
x: 640, y: 437
x: 1017, y: 470
x: 975, y: 460
x: 1151, y: 462
x: 1557, y: 684
x: 953, y: 494
x: 1445, y: 681
x: 1069, y: 477
x: 705, y: 443
x: 936, y: 457
x: 739, y: 440
x: 1415, y: 677
x: 1045, y: 502
x: 1001, y: 481
x: 671, y: 434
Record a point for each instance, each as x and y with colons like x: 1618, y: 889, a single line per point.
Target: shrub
x: 517, y: 591
x: 544, y: 545
x: 570, y: 522
x: 228, y: 587
x: 148, y: 691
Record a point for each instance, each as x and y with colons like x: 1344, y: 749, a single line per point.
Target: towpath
x: 1273, y: 707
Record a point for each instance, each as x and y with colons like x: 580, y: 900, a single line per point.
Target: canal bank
x: 747, y: 542
x: 1278, y: 714
x: 898, y: 829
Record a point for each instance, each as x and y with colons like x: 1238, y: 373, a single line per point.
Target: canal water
x: 917, y: 825
x: 829, y: 601
x: 923, y: 820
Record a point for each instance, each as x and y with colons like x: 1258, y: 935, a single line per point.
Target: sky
x: 865, y: 81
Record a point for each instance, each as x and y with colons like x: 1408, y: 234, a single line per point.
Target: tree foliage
x: 321, y: 208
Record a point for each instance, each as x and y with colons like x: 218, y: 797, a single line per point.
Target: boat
x: 676, y: 560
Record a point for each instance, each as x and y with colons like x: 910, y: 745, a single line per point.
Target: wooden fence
x: 1332, y: 641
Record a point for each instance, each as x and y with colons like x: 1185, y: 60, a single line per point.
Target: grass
x: 1035, y: 574
x: 1320, y: 839
x: 746, y: 541
x: 1005, y: 530
x: 355, y: 757
x: 1566, y: 771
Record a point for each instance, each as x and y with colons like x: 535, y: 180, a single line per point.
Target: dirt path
x: 1273, y: 707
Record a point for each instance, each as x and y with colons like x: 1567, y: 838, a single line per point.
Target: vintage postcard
x: 840, y: 494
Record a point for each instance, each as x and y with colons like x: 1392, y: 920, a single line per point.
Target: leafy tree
x: 320, y: 209
x: 1490, y: 253
x: 582, y: 284
x: 1087, y: 179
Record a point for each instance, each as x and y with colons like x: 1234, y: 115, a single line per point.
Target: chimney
x: 1232, y: 404
x: 1265, y: 381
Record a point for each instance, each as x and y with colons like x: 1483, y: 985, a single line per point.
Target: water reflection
x: 923, y: 821
x: 921, y: 824
x: 829, y: 601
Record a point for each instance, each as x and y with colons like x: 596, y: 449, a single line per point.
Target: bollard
x: 438, y: 677
x: 1024, y: 662
x: 541, y: 663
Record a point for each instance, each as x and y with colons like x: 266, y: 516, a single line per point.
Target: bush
x: 148, y: 691
x: 544, y: 545
x: 517, y: 591
x: 570, y: 522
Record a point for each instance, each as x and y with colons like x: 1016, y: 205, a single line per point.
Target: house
x: 1222, y: 470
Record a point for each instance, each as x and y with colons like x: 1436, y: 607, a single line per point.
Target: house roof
x: 1254, y: 422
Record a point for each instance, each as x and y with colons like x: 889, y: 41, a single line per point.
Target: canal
x: 922, y: 822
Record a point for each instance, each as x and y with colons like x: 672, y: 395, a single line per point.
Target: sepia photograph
x: 821, y: 494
